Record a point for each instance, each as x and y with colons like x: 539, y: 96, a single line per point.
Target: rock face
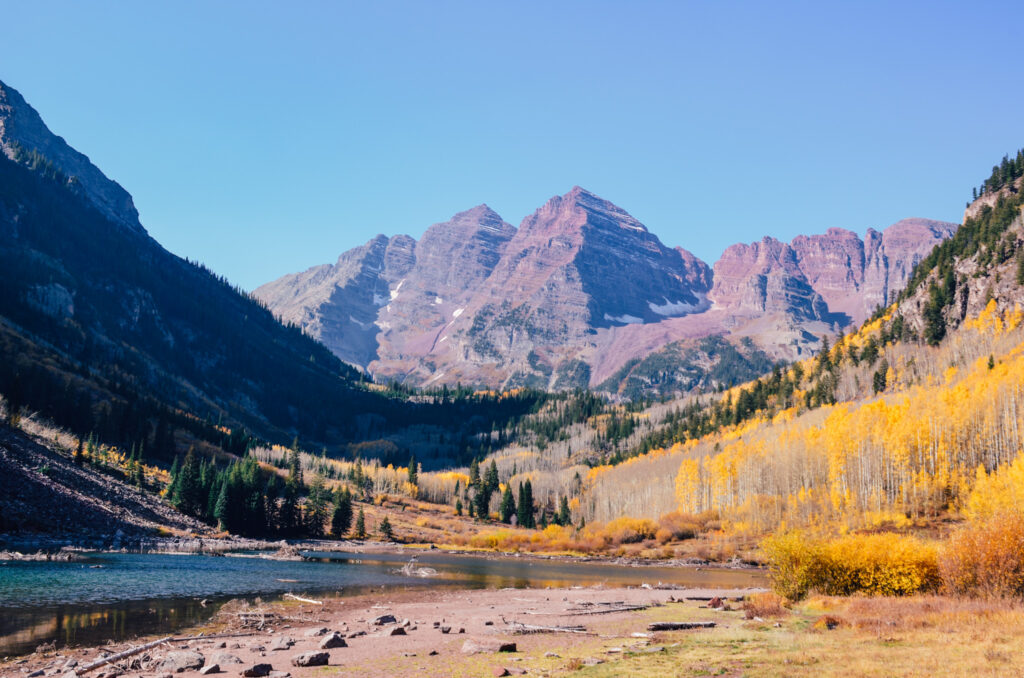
x: 579, y: 290
x: 24, y: 138
x: 835, y: 277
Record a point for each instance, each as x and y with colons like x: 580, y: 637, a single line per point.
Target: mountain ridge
x: 581, y: 287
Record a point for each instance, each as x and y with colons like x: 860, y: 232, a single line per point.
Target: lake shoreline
x: 410, y: 632
x: 49, y: 548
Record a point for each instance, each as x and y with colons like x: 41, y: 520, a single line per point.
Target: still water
x: 114, y: 596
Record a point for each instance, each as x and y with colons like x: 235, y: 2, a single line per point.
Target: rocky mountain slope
x: 104, y: 331
x: 25, y: 138
x: 582, y: 290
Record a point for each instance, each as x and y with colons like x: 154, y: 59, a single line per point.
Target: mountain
x: 105, y: 331
x: 25, y: 138
x: 582, y: 293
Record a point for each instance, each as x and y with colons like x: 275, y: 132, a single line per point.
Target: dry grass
x: 856, y: 636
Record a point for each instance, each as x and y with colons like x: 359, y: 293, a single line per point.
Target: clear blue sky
x: 265, y: 137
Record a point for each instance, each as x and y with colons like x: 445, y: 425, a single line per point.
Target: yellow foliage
x: 1001, y: 491
x: 877, y: 564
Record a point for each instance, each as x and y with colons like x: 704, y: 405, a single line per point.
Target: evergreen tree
x: 189, y: 497
x: 80, y: 452
x: 458, y: 507
x: 878, y: 380
x: 474, y: 472
x: 413, y: 475
x: 221, y: 508
x: 316, y: 507
x: 385, y: 529
x: 295, y: 463
x: 361, y: 525
x: 341, y: 517
x: 491, y: 479
x: 482, y: 499
x: 564, y: 516
x: 288, y: 517
x: 525, y: 509
x: 508, y: 505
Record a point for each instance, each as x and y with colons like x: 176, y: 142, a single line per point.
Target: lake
x: 112, y: 596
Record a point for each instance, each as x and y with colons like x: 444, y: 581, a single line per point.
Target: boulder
x: 311, y: 659
x: 313, y: 633
x: 480, y: 646
x: 210, y: 668
x: 332, y: 641
x: 281, y: 643
x: 385, y: 619
x: 225, y: 658
x: 257, y: 671
x: 182, y: 660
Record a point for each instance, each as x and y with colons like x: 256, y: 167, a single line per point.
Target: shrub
x: 986, y: 559
x: 763, y: 605
x: 629, y: 530
x: 677, y: 525
x: 877, y: 564
x: 794, y: 563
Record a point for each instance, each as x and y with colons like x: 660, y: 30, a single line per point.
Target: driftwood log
x: 303, y: 600
x: 122, y: 655
x: 680, y: 626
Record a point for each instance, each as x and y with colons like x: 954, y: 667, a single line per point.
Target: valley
x: 832, y: 417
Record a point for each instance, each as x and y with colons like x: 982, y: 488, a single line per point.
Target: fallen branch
x: 121, y: 655
x: 519, y: 627
x: 680, y: 626
x: 604, y: 610
x: 303, y: 600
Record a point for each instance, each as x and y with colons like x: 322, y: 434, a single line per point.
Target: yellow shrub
x: 878, y: 564
x: 628, y: 530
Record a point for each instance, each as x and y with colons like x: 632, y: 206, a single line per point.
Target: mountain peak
x: 25, y: 138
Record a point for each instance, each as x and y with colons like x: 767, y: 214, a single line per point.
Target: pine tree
x: 525, y: 510
x: 80, y: 452
x: 341, y: 518
x: 508, y: 505
x: 878, y: 380
x: 221, y: 508
x: 458, y: 507
x: 361, y: 525
x: 288, y: 517
x: 316, y: 507
x: 385, y: 529
x: 474, y: 472
x: 413, y: 475
x: 491, y: 479
x: 564, y: 516
x: 482, y: 499
x: 295, y: 463
x: 189, y: 497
